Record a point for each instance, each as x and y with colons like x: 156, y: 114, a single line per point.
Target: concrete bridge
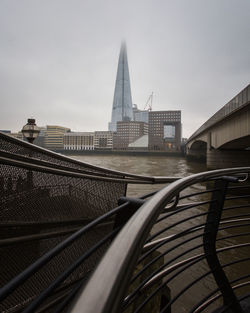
x: 224, y: 139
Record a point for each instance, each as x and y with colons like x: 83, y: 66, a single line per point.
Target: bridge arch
x: 242, y: 143
x: 227, y: 134
x: 198, y: 145
x: 197, y: 149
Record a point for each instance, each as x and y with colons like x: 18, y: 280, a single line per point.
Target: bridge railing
x: 236, y: 103
x: 178, y: 253
x: 57, y: 218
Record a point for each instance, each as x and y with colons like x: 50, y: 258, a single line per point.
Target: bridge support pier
x: 197, y: 156
x: 227, y: 158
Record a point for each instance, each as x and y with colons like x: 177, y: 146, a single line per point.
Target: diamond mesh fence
x: 39, y: 209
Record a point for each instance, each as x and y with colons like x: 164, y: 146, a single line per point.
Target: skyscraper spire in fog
x: 122, y: 104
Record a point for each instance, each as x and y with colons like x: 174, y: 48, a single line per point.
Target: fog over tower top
x: 122, y: 104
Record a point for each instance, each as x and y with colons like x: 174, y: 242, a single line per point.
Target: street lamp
x: 30, y: 130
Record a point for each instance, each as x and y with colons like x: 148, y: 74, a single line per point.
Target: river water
x: 174, y: 167
x: 145, y: 165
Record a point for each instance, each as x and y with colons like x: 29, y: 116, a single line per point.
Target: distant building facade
x: 164, y: 131
x: 18, y: 135
x: 40, y: 140
x: 54, y: 137
x: 78, y: 141
x: 103, y: 140
x: 128, y: 132
x: 140, y: 115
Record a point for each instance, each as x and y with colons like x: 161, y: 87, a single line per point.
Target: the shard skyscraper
x: 122, y: 104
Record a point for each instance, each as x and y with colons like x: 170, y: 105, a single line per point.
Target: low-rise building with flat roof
x: 78, y: 141
x: 54, y: 137
x: 103, y: 140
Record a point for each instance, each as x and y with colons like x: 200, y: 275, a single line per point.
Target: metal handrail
x: 45, y: 168
x: 123, y: 175
x: 33, y: 268
x: 107, y: 286
x: 24, y: 179
x: 107, y: 290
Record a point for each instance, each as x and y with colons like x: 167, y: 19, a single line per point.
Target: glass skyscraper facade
x: 122, y: 104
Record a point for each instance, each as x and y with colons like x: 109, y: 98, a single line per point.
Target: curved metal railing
x: 156, y: 253
x: 27, y: 155
x: 57, y: 218
x: 166, y: 257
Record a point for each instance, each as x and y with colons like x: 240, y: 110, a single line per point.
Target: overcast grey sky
x: 58, y: 58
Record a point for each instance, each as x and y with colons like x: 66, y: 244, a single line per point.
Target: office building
x: 103, y: 140
x: 164, y: 131
x: 78, y: 141
x: 54, y: 137
x: 128, y: 132
x: 140, y: 115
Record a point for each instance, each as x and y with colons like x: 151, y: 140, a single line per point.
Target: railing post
x: 209, y: 241
x: 123, y: 216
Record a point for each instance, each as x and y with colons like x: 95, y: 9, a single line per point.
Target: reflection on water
x: 180, y: 167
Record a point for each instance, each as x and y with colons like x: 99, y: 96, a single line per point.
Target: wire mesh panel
x: 20, y: 148
x: 40, y: 208
x: 57, y: 218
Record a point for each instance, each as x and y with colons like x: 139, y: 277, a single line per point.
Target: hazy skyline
x: 58, y: 58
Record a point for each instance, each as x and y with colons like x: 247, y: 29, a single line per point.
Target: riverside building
x: 79, y: 141
x: 128, y: 132
x: 164, y: 131
x: 103, y: 140
x: 54, y: 137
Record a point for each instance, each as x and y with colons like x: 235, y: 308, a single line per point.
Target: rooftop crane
x: 149, y: 103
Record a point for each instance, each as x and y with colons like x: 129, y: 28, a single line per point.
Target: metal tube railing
x: 19, y: 279
x: 134, y: 257
x: 82, y: 166
x: 111, y: 278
